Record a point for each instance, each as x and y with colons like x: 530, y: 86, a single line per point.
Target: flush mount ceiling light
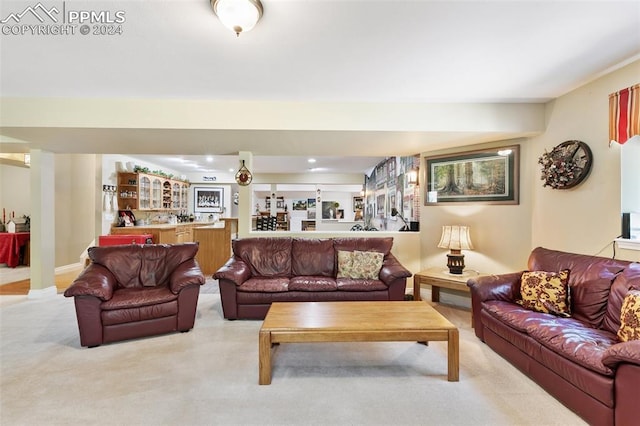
x: 238, y: 15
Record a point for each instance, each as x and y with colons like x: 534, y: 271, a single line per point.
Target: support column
x: 43, y: 254
x: 245, y: 205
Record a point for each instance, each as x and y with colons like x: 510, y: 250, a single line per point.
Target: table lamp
x: 455, y: 238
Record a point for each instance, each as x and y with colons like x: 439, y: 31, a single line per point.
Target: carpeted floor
x: 209, y: 376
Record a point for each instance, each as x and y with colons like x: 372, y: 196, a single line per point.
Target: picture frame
x: 299, y: 205
x: 311, y: 203
x: 208, y: 199
x: 487, y: 176
x: 358, y: 204
x: 329, y: 210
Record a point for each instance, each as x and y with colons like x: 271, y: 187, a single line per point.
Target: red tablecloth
x: 10, y: 244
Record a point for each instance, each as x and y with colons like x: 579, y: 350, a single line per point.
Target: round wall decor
x: 566, y: 165
x: 243, y: 176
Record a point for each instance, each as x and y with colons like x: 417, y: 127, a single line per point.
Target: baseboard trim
x: 68, y: 268
x: 42, y: 293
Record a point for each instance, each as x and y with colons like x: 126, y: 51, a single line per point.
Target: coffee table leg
x: 453, y: 356
x: 264, y: 357
x: 416, y: 288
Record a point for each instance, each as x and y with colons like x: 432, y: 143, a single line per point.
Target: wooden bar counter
x: 214, y: 239
x: 214, y: 245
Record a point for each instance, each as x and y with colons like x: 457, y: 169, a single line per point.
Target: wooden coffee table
x: 302, y: 322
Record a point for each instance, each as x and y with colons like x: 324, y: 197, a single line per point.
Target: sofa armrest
x: 491, y: 287
x: 95, y: 280
x: 504, y: 287
x: 623, y: 352
x: 392, y: 270
x: 235, y: 270
x: 187, y: 273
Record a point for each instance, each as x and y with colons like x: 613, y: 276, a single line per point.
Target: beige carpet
x: 209, y: 376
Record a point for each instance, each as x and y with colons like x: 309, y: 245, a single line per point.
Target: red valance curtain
x: 624, y: 114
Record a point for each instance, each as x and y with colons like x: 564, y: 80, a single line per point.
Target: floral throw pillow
x: 630, y: 317
x: 359, y: 264
x: 546, y: 292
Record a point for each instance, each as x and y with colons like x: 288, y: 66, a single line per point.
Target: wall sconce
x: 412, y: 177
x: 238, y: 15
x: 455, y: 238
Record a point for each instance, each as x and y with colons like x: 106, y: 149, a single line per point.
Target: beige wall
x: 14, y: 190
x: 501, y: 234
x: 584, y: 219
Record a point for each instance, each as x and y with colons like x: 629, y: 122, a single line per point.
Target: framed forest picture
x: 489, y: 176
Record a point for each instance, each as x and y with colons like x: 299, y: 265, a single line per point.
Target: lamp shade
x: 238, y: 15
x: 455, y: 237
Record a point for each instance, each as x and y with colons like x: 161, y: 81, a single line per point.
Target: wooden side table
x: 440, y: 277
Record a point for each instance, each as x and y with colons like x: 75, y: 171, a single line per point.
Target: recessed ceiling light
x: 311, y: 160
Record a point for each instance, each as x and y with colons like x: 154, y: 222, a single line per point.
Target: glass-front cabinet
x: 156, y: 193
x: 175, y: 196
x: 139, y: 191
x: 184, y: 196
x: 144, y: 192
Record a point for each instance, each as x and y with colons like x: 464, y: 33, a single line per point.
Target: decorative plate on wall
x: 566, y: 165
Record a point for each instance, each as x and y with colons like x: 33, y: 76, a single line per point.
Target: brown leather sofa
x: 134, y: 290
x: 579, y: 360
x: 265, y: 270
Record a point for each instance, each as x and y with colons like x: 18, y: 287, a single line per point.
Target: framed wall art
x: 489, y: 176
x: 208, y: 199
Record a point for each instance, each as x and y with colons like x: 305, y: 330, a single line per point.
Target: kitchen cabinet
x: 141, y: 191
x: 127, y: 191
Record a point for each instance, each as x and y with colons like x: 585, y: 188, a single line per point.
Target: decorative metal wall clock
x: 243, y: 176
x: 566, y: 165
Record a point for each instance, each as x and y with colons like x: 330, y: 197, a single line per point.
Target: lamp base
x: 455, y: 263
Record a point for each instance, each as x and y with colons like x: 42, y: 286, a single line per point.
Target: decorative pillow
x: 359, y: 264
x: 545, y: 292
x: 630, y: 317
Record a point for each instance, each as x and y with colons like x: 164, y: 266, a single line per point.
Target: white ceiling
x: 377, y: 51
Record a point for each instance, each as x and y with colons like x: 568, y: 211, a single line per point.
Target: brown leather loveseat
x: 578, y: 357
x: 265, y: 270
x: 130, y: 291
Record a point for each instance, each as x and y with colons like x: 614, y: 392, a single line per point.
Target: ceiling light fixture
x: 238, y: 15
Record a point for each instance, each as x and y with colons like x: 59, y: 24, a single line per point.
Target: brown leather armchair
x: 131, y: 291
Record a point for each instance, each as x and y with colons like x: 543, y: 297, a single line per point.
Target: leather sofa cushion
x: 307, y: 283
x: 382, y: 245
x: 349, y: 284
x: 566, y: 336
x: 265, y: 285
x: 513, y: 315
x: 137, y: 297
x: 588, y: 279
x: 627, y: 280
x: 312, y: 257
x: 136, y: 265
x: 575, y: 341
x: 142, y: 313
x: 267, y: 257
